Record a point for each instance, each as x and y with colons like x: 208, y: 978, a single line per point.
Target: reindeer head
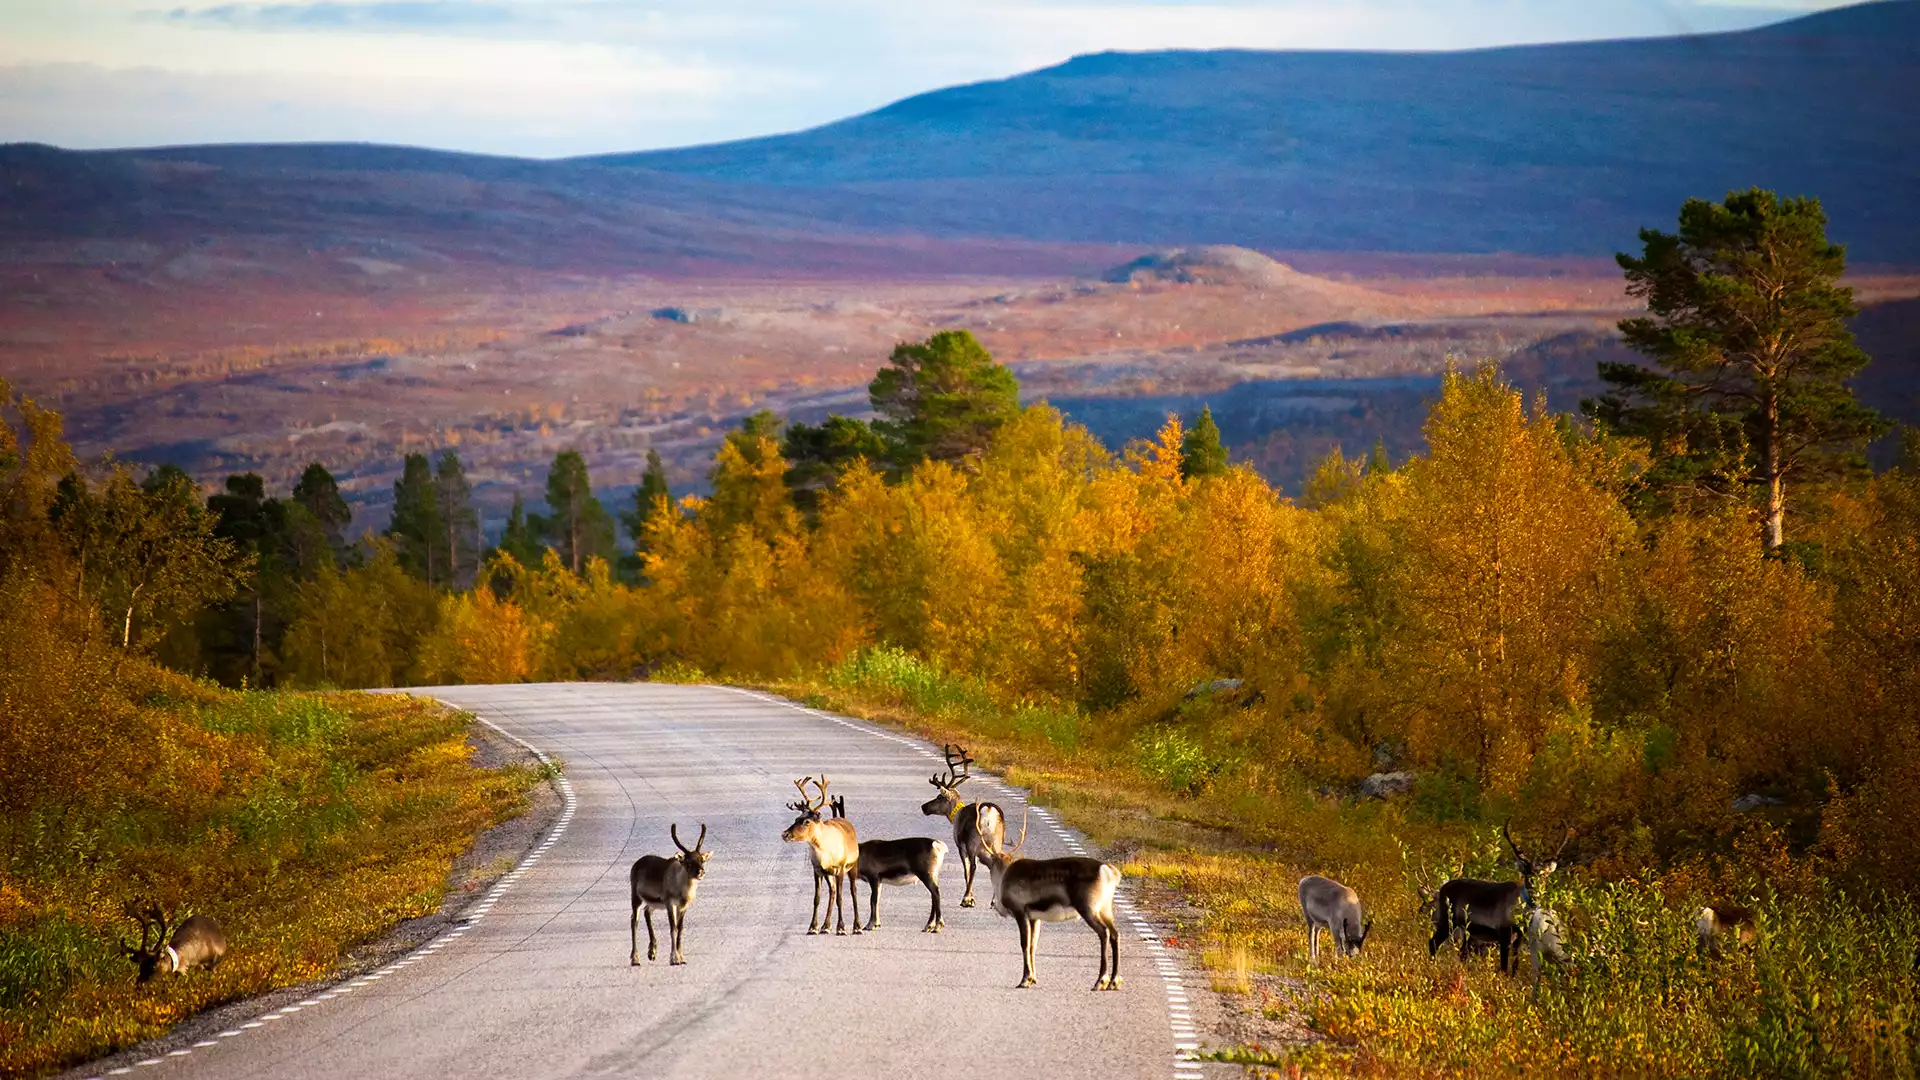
x: 1429, y: 892
x: 809, y: 808
x: 1352, y: 945
x: 693, y: 858
x: 1530, y: 867
x: 151, y: 957
x: 948, y: 803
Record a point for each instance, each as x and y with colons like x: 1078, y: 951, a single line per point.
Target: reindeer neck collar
x: 954, y: 814
x: 173, y: 959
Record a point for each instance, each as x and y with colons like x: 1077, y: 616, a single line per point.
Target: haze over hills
x: 1542, y: 149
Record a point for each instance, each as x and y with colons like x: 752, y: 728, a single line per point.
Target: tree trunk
x: 256, y: 637
x: 1776, y: 520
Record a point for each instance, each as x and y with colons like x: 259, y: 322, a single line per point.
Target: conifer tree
x: 578, y: 526
x: 459, y: 535
x: 1201, y: 453
x: 318, y: 492
x: 416, y: 528
x: 1747, y: 331
x: 647, y: 498
x: 816, y: 455
x: 942, y: 399
x: 518, y: 539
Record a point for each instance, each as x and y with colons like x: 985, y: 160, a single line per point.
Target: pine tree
x: 459, y: 536
x: 816, y: 455
x: 1201, y: 453
x: 518, y: 539
x: 942, y: 399
x: 647, y: 499
x: 577, y: 526
x: 1747, y: 331
x: 749, y: 481
x: 320, y: 495
x: 416, y: 528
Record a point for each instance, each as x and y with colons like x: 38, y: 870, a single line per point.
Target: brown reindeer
x: 196, y: 942
x: 669, y: 883
x: 1033, y: 891
x: 978, y: 828
x: 836, y: 856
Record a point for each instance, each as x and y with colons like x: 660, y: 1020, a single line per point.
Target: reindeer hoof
x: 651, y: 955
x: 677, y: 961
x: 966, y: 901
x: 1026, y: 982
x: 634, y: 960
x: 842, y: 932
x: 811, y: 931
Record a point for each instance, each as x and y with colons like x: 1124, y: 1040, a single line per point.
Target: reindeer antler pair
x: 674, y: 830
x: 152, y: 919
x: 957, y: 759
x: 809, y: 804
x: 1522, y: 857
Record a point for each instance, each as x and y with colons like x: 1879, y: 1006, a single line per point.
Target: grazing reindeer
x: 1033, y: 891
x: 900, y: 862
x: 196, y: 942
x: 1732, y: 924
x: 1326, y: 903
x: 1479, y: 910
x: 663, y: 882
x: 836, y: 856
x: 978, y: 828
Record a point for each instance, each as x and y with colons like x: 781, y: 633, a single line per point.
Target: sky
x: 552, y: 78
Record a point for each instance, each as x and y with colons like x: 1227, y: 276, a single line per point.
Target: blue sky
x: 549, y: 78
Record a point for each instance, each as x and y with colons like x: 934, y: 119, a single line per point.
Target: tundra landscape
x: 1416, y: 549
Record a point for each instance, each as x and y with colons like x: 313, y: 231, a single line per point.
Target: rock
x: 1753, y: 800
x: 1217, y: 686
x: 1385, y: 785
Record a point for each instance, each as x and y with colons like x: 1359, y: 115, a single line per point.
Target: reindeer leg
x: 1313, y: 942
x: 853, y: 890
x: 837, y: 906
x: 633, y: 934
x: 677, y: 916
x: 652, y: 945
x: 1033, y: 950
x: 813, y: 917
x: 1113, y: 942
x: 967, y: 864
x: 1026, y: 953
x: 873, y: 905
x: 934, y: 922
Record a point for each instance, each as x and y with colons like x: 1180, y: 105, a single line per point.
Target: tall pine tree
x: 942, y: 399
x: 1746, y: 327
x: 459, y: 537
x: 416, y: 528
x: 577, y: 525
x: 647, y: 499
x: 318, y: 492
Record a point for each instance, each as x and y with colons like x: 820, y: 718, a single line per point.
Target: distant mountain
x: 1556, y: 149
x: 1544, y: 149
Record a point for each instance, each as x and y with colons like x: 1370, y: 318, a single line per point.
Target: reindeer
x: 1033, y: 891
x: 1730, y: 923
x: 1479, y: 910
x: 836, y: 855
x: 978, y: 828
x: 196, y: 942
x: 666, y: 882
x: 901, y: 862
x: 1326, y: 903
x: 1543, y: 931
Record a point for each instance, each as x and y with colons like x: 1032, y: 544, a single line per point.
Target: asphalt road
x: 535, y: 982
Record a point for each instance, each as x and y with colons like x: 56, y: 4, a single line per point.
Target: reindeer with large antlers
x: 666, y: 882
x: 1542, y: 928
x: 1033, y: 891
x: 978, y: 828
x: 1484, y: 910
x: 196, y: 942
x: 836, y: 856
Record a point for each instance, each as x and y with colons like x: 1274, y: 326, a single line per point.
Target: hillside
x: 1548, y: 149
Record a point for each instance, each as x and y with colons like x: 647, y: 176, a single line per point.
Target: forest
x: 1683, y: 626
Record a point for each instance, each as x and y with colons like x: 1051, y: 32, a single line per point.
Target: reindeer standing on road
x: 1033, y: 891
x: 978, y: 828
x: 836, y: 856
x: 669, y: 883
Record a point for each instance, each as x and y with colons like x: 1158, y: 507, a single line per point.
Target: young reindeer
x: 901, y: 862
x: 196, y: 942
x: 1325, y: 903
x: 836, y: 856
x: 978, y: 828
x: 666, y: 882
x: 1033, y: 891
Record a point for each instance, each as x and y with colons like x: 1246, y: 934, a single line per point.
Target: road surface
x: 535, y: 981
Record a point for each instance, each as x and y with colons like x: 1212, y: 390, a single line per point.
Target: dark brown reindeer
x: 196, y: 942
x: 902, y: 862
x: 978, y: 828
x: 667, y: 882
x: 1033, y: 891
x: 836, y: 855
x: 1483, y: 911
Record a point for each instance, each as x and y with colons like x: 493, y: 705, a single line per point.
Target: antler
x: 806, y: 805
x: 132, y: 911
x: 1563, y: 844
x: 1511, y: 846
x: 1015, y: 849
x: 821, y: 784
x: 674, y: 829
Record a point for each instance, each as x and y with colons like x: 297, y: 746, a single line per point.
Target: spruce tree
x: 816, y: 455
x: 518, y: 539
x: 319, y: 494
x: 647, y: 499
x: 1201, y: 453
x: 1746, y: 328
x: 416, y: 528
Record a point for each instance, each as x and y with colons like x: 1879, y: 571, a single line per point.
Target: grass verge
x: 304, y: 823
x: 1829, y: 991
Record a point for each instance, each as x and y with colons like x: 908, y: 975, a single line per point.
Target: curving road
x: 535, y: 981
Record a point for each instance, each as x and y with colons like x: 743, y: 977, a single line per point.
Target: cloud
x: 416, y: 16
